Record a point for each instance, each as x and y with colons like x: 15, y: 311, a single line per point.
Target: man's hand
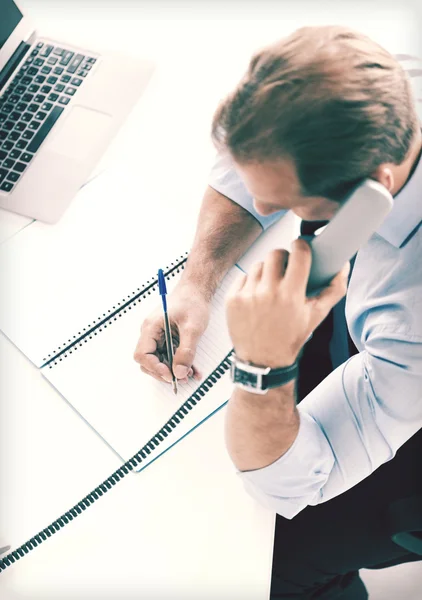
x: 189, y: 314
x: 268, y: 314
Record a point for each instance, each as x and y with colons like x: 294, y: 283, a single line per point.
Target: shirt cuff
x: 295, y: 480
x: 224, y: 179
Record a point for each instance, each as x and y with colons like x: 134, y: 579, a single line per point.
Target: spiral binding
x: 120, y: 473
x: 114, y: 313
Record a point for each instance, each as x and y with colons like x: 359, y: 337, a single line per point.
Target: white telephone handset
x: 347, y: 231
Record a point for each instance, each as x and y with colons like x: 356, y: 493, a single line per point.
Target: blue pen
x: 169, y: 342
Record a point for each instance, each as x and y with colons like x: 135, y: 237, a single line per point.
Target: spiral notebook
x: 126, y: 407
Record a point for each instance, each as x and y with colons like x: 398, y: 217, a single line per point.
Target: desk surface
x: 185, y: 523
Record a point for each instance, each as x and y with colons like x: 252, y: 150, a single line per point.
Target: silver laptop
x: 60, y: 106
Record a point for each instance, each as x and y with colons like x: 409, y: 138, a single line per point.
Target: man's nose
x: 264, y: 209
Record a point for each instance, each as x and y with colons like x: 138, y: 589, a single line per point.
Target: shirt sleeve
x: 350, y: 424
x: 224, y: 179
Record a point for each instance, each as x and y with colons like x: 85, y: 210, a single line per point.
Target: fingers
x: 274, y: 267
x: 298, y: 268
x: 237, y: 285
x: 253, y: 277
x: 185, y: 353
x: 332, y: 294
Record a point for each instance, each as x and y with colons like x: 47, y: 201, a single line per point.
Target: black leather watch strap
x: 277, y: 377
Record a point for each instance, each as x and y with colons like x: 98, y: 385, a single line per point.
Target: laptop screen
x: 10, y: 16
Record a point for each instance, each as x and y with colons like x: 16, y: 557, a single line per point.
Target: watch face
x: 245, y: 378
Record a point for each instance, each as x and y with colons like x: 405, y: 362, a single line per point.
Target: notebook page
x: 126, y: 407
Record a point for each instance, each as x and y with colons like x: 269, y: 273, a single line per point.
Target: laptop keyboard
x: 37, y: 96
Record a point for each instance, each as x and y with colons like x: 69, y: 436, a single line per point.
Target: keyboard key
x: 15, y: 116
x: 70, y: 91
x: 59, y: 87
x: 82, y: 73
x: 53, y: 97
x: 20, y: 126
x: 76, y: 81
x: 46, y: 70
x: 22, y: 106
x: 26, y: 157
x: 91, y: 60
x: 13, y: 176
x: 27, y: 97
x: 40, y: 116
x: 3, y: 154
x: 75, y: 63
x: 67, y: 57
x: 33, y: 88
x: 39, y: 45
x: 87, y: 67
x: 21, y: 145
x: 47, y: 106
x: 64, y: 100
x: 32, y: 71
x: 3, y: 118
x: 27, y: 117
x: 3, y: 174
x: 20, y: 166
x: 14, y: 136
x: 7, y: 108
x: 39, y: 98
x: 6, y: 186
x: 8, y: 164
x: 34, y: 125
x: 46, y: 50
x: 66, y: 78
x: 20, y: 90
x: 45, y: 129
x: 15, y: 154
x: 8, y: 126
x: 29, y: 60
x: 14, y: 99
x: 52, y: 60
x: 39, y: 79
x: 3, y: 135
x: 33, y: 107
x: 7, y: 145
x: 52, y: 80
x: 58, y: 51
x: 46, y: 89
x: 38, y: 62
x: 28, y: 135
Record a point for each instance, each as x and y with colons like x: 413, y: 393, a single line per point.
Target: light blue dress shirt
x: 369, y: 406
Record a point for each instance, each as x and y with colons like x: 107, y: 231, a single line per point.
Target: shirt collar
x: 406, y: 213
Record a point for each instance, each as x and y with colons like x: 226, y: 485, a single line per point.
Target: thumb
x: 335, y: 291
x: 185, y: 353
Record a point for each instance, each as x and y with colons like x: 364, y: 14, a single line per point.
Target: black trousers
x: 318, y: 554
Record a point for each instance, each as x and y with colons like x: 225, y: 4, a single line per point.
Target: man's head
x: 315, y: 115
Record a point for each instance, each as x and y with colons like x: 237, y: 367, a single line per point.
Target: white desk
x: 185, y: 524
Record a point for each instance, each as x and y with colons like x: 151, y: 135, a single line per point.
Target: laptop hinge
x: 12, y: 63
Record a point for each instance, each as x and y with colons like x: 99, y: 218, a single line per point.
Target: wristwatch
x: 258, y: 380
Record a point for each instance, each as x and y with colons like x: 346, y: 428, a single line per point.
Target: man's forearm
x: 224, y: 232
x: 260, y: 429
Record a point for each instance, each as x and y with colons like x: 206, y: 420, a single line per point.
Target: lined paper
x: 125, y: 406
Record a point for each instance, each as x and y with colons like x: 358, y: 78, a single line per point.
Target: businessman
x: 328, y: 449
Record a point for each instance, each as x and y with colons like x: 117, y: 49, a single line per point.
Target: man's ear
x: 385, y: 176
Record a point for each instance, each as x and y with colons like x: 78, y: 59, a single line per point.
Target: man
x: 315, y: 115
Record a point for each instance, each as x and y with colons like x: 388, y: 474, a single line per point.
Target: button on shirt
x: 369, y: 406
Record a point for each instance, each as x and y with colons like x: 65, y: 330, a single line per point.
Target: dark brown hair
x: 329, y: 98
